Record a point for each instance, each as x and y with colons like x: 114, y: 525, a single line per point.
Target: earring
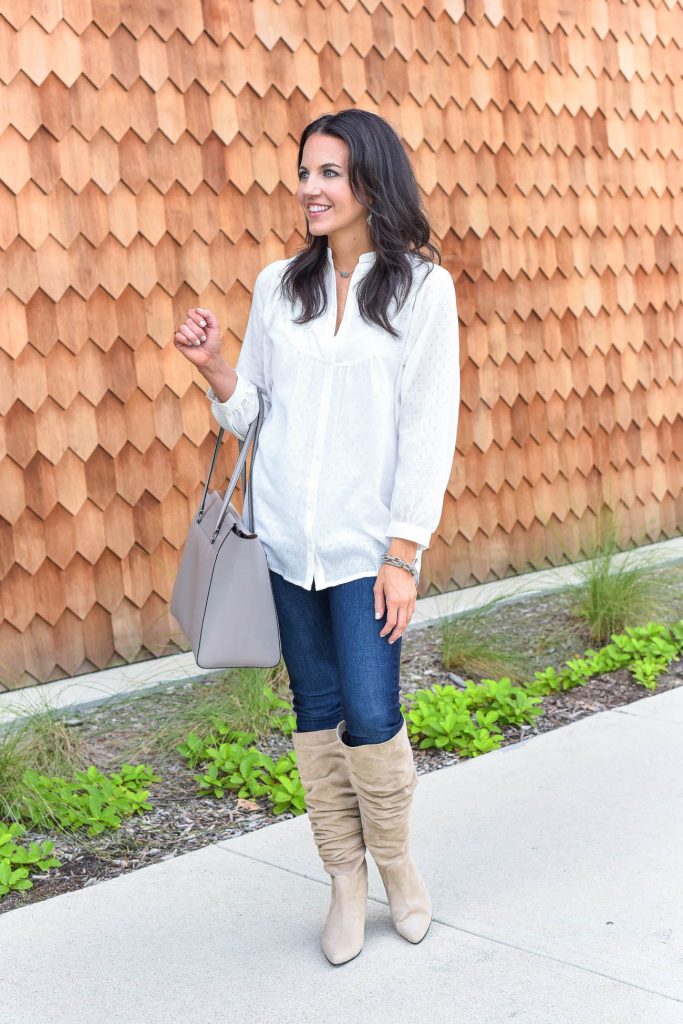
x: 369, y: 217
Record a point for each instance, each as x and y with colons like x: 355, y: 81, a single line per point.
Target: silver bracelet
x: 395, y: 560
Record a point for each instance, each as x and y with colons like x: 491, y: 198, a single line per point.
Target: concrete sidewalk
x: 556, y: 874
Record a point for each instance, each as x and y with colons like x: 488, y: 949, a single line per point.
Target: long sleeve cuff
x: 236, y: 397
x: 409, y: 531
x: 238, y: 411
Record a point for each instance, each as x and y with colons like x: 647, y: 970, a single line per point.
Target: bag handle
x: 248, y: 502
x: 240, y: 467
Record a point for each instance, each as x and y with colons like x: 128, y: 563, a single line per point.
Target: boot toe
x: 340, y: 944
x: 414, y: 927
x: 341, y: 954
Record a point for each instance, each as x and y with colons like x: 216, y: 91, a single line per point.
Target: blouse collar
x: 365, y: 257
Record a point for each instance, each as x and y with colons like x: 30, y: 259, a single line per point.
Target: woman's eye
x: 328, y: 169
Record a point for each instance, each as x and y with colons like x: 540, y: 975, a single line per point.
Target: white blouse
x: 358, y: 437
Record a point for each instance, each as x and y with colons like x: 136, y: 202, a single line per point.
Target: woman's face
x: 323, y: 181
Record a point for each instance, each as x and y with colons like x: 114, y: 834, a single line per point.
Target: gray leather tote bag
x: 222, y: 595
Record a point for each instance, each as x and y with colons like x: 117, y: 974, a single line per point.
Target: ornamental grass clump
x: 619, y: 588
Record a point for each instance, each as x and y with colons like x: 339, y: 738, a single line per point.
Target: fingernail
x: 200, y: 310
x: 392, y: 641
x: 202, y: 323
x: 378, y: 615
x: 197, y: 341
x: 203, y: 337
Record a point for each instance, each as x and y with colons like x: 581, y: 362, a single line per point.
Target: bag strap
x: 240, y: 467
x: 248, y: 502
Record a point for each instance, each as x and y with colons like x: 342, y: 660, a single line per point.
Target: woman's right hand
x: 199, y: 337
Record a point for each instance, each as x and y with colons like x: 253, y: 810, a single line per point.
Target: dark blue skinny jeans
x: 339, y: 666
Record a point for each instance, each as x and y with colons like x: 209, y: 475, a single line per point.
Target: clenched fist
x: 199, y: 337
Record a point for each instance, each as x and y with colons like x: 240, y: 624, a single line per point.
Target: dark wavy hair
x: 382, y: 179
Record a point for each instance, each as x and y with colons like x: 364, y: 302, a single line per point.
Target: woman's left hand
x: 394, y: 590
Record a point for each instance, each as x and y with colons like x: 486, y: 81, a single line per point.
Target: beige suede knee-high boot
x: 384, y: 778
x: 338, y: 832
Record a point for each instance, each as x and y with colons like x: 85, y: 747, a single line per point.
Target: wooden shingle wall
x: 147, y: 163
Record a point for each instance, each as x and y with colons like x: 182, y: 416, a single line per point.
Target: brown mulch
x: 181, y: 821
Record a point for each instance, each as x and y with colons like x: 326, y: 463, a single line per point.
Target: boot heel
x: 409, y: 899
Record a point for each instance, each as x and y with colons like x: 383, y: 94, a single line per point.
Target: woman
x: 353, y: 343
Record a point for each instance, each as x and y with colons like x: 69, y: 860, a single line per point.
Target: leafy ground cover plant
x: 18, y: 861
x: 646, y: 651
x: 231, y: 764
x: 470, y: 720
x: 86, y: 802
x: 90, y: 800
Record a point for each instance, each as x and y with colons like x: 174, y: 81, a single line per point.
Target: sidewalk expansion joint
x: 469, y: 931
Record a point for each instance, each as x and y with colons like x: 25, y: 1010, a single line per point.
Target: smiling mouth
x: 323, y: 210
